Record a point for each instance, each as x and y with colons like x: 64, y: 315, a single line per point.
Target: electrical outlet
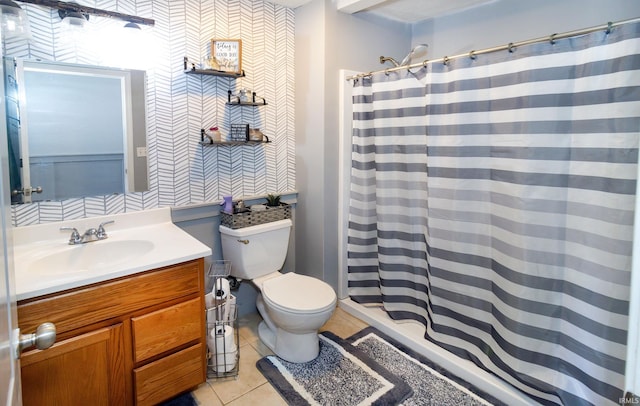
x: 141, y: 152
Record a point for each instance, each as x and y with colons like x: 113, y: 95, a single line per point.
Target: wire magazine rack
x: 223, y: 349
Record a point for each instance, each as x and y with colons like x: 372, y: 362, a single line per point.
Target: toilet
x: 293, y: 307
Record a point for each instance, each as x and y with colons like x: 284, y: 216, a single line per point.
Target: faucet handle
x: 102, y: 234
x: 75, y: 235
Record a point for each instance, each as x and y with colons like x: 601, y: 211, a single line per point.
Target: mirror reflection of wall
x: 75, y: 145
x: 81, y: 130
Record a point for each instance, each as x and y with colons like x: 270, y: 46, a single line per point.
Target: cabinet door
x: 83, y: 370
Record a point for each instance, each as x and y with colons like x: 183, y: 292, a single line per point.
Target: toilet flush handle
x: 245, y: 242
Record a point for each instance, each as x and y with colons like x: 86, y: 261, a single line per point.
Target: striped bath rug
x: 340, y: 375
x: 431, y: 385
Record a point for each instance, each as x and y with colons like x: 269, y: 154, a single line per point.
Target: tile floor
x: 250, y: 387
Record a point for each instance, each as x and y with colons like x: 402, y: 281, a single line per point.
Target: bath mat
x: 431, y: 385
x: 341, y: 375
x: 186, y: 399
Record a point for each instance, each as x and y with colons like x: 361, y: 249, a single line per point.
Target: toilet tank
x: 257, y: 250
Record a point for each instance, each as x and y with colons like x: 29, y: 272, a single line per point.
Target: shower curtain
x: 492, y: 199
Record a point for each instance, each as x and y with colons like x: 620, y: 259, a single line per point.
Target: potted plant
x: 273, y: 200
x: 275, y: 209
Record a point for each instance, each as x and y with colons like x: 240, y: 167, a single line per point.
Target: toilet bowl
x: 293, y: 307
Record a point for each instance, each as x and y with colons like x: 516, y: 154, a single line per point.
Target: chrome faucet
x: 101, y: 234
x: 90, y: 235
x: 75, y: 236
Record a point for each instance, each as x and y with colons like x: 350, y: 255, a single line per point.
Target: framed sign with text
x: 228, y: 54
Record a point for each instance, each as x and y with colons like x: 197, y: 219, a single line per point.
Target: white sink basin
x: 45, y: 263
x: 93, y: 256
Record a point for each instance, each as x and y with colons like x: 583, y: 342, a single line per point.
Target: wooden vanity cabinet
x: 134, y: 340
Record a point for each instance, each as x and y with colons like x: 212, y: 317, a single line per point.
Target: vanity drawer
x: 170, y: 375
x: 166, y: 329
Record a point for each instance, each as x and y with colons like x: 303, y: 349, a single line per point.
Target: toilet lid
x: 298, y: 293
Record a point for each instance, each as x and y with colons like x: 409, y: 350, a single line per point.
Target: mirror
x: 74, y: 130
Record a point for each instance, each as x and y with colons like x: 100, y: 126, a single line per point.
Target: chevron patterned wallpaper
x: 181, y: 171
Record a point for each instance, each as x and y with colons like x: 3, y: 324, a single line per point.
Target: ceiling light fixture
x: 13, y: 20
x: 73, y: 19
x: 67, y: 7
x: 132, y: 26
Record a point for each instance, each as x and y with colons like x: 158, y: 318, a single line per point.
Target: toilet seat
x: 298, y: 294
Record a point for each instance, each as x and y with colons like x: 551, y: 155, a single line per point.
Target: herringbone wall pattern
x: 181, y: 172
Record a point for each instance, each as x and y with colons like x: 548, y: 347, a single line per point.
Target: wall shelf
x: 255, y: 100
x: 247, y: 104
x: 232, y: 143
x: 210, y: 72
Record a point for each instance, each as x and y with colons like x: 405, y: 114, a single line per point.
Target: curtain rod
x: 510, y: 47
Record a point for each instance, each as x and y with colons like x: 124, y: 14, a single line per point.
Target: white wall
x: 327, y: 41
x: 310, y: 130
x: 508, y: 21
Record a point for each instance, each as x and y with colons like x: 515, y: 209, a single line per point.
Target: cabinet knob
x: 43, y: 338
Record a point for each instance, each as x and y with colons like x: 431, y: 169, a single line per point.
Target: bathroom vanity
x: 133, y: 335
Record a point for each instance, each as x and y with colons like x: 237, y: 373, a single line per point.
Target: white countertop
x: 169, y: 245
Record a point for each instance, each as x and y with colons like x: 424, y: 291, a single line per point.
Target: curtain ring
x: 609, y: 27
x: 424, y: 63
x: 511, y: 48
x: 473, y: 55
x: 386, y: 72
x: 552, y: 39
x: 445, y: 60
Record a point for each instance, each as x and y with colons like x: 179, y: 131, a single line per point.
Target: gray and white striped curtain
x: 493, y: 200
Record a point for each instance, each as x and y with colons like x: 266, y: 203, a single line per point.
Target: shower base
x: 411, y: 334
